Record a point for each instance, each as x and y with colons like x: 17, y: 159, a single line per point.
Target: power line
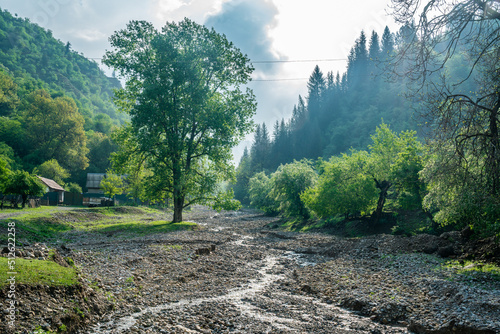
x: 280, y: 61
x: 297, y: 61
x: 292, y: 79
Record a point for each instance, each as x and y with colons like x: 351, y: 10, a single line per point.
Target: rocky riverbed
x: 236, y: 274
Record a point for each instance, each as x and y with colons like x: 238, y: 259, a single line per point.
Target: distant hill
x: 40, y: 77
x: 35, y: 59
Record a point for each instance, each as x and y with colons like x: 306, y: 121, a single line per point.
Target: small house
x: 95, y: 195
x: 54, y: 192
x: 94, y: 183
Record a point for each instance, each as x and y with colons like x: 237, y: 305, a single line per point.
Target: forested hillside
x: 56, y: 109
x: 354, y: 146
x: 341, y: 111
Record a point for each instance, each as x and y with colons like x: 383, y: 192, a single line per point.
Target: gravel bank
x: 235, y: 275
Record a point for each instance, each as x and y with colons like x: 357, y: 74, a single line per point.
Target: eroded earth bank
x: 237, y: 274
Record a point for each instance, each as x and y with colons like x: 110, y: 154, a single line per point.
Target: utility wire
x: 297, y: 61
x: 281, y: 61
x: 293, y: 79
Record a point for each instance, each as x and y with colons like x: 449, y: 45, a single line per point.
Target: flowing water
x: 297, y: 311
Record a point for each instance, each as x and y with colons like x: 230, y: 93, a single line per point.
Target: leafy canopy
x: 187, y: 110
x: 344, y: 187
x: 24, y: 184
x: 52, y: 170
x: 112, y: 185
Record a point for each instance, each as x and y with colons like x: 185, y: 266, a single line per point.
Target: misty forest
x: 401, y: 150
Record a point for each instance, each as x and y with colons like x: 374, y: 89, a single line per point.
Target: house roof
x: 94, y: 180
x: 51, y: 184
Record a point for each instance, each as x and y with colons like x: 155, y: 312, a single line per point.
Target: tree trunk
x: 178, y: 207
x: 384, y: 187
x: 495, y: 150
x: 25, y: 198
x: 178, y: 196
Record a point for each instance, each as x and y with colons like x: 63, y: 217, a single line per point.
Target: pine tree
x: 281, y: 146
x: 387, y: 43
x: 260, y: 150
x: 243, y: 174
x: 316, y: 87
x: 374, y: 49
x: 357, y: 63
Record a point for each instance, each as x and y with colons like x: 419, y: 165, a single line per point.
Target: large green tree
x: 187, y: 110
x: 112, y: 184
x: 54, y: 129
x: 288, y: 183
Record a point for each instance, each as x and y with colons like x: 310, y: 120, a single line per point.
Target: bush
x: 343, y: 187
x: 259, y: 189
x: 287, y: 185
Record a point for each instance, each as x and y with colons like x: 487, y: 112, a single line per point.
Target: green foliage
x: 472, y: 269
x: 183, y: 133
x: 5, y: 173
x: 74, y: 103
x: 287, y: 185
x: 243, y: 175
x: 259, y: 189
x: 7, y: 155
x: 23, y: 184
x: 348, y: 184
x: 54, y: 129
x: 73, y: 188
x: 112, y: 185
x: 405, y: 171
x: 384, y: 151
x: 396, y: 160
x: 52, y: 170
x: 37, y: 60
x: 225, y: 201
x: 456, y: 193
x: 8, y: 95
x: 339, y: 112
x: 344, y: 187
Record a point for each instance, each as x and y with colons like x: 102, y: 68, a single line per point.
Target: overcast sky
x: 266, y: 30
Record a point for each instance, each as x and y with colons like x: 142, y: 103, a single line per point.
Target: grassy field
x: 56, y: 225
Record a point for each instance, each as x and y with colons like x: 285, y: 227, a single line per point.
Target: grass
x: 37, y: 272
x: 141, y: 228
x: 473, y: 269
x: 51, y: 224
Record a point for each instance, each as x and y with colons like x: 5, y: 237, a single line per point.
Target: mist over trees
x: 340, y: 112
x: 436, y: 79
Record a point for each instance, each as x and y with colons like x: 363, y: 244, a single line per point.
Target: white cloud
x: 177, y: 10
x: 90, y: 35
